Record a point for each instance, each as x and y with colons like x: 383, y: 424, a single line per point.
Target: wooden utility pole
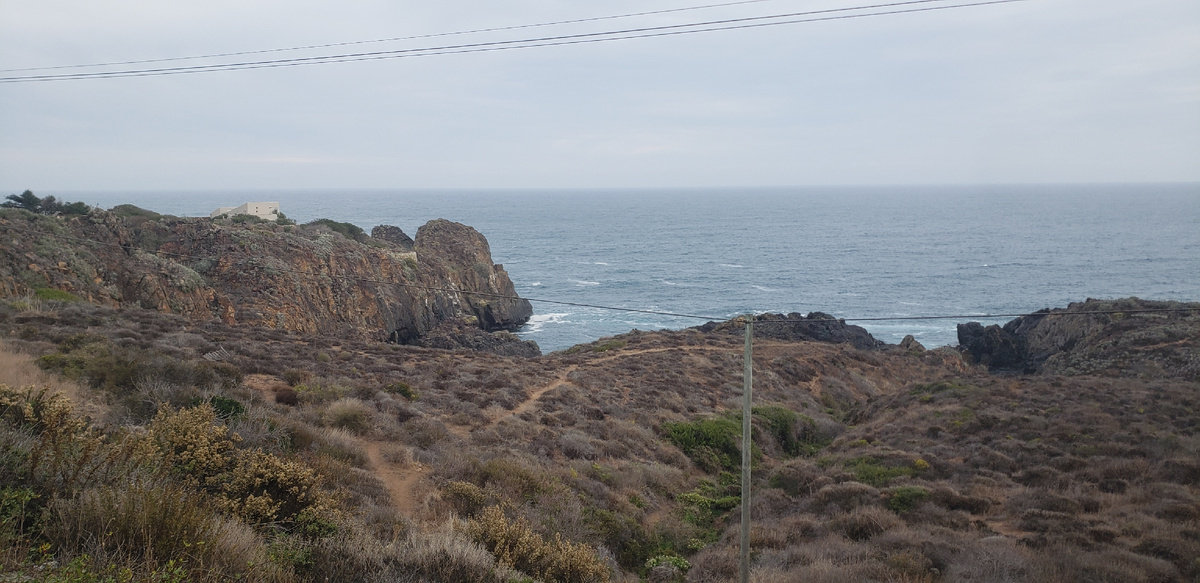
x: 747, y: 386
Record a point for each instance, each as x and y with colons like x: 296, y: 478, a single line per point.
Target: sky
x: 1039, y: 91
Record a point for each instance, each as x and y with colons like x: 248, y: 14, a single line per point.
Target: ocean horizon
x: 853, y: 251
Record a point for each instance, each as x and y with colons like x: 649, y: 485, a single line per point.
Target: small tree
x: 26, y: 200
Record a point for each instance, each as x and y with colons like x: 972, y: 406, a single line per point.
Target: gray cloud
x: 1069, y: 90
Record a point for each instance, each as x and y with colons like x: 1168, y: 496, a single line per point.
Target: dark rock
x: 815, y: 327
x: 1093, y: 337
x: 465, y: 334
x: 993, y: 346
x: 393, y: 235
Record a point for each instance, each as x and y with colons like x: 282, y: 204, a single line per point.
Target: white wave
x: 581, y: 282
x: 668, y: 282
x: 535, y: 284
x: 730, y: 265
x: 599, y: 263
x: 761, y: 288
x: 539, y: 321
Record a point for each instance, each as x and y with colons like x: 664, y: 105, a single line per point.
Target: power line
x: 316, y: 275
x: 563, y: 40
x: 391, y: 39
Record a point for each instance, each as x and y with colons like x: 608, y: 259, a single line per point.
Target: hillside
x: 168, y: 446
x: 325, y: 276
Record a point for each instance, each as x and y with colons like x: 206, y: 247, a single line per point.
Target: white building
x: 262, y: 210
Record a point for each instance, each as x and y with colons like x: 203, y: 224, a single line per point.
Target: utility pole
x: 747, y: 387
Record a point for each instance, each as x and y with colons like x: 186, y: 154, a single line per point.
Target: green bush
x: 869, y: 471
x: 347, y: 230
x: 403, y: 390
x: 905, y: 498
x: 226, y: 408
x: 714, y: 444
x: 56, y: 295
x: 129, y: 210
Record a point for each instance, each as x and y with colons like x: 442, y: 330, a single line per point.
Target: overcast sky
x: 1036, y: 91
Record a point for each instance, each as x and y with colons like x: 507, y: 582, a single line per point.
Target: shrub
x: 846, y: 496
x: 403, y: 390
x: 864, y: 523
x: 714, y: 444
x: 449, y: 557
x: 193, y: 444
x: 156, y: 526
x: 263, y: 488
x: 349, y: 414
x: 467, y: 498
x: 347, y: 230
x: 287, y: 396
x: 226, y: 408
x: 57, y: 295
x: 515, y: 544
x: 869, y: 471
x: 906, y: 498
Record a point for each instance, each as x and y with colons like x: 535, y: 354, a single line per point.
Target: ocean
x: 854, y: 252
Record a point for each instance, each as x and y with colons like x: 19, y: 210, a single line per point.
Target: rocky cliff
x: 307, y: 278
x: 1093, y: 337
x: 815, y: 327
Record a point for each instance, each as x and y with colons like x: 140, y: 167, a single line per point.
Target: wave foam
x: 580, y: 282
x: 538, y: 321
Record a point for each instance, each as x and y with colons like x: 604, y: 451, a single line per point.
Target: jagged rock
x: 305, y: 279
x: 465, y: 334
x: 910, y: 344
x: 393, y: 235
x: 993, y: 346
x: 1085, y: 338
x: 794, y: 327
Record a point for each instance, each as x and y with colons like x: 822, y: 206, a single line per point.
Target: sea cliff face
x: 307, y: 278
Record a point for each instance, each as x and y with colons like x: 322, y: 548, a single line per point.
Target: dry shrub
x: 264, y: 488
x: 350, y: 414
x: 194, y: 444
x: 466, y: 498
x: 287, y: 396
x: 147, y: 525
x: 864, y: 523
x: 515, y: 544
x: 397, y: 455
x: 445, y: 556
x: 845, y: 496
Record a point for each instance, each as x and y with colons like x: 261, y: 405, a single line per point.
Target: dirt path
x: 562, y: 377
x: 401, y: 484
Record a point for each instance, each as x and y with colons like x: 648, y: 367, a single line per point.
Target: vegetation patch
x: 56, y: 295
x: 714, y: 444
x: 515, y: 544
x: 868, y: 470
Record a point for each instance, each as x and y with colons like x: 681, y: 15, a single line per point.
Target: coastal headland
x: 212, y: 400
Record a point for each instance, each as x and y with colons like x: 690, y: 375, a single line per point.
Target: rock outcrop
x: 393, y: 235
x: 1095, y: 336
x: 815, y: 327
x: 307, y: 278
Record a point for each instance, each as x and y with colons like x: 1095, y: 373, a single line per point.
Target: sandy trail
x: 401, y: 483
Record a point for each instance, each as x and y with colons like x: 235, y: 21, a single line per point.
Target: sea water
x: 854, y: 252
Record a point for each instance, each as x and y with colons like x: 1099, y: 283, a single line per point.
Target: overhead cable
x: 563, y: 40
x: 390, y: 39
